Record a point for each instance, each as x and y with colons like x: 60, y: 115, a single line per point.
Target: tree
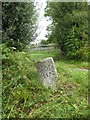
x: 19, y: 23
x: 70, y: 21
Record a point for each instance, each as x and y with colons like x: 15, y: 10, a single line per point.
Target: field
x: 25, y: 97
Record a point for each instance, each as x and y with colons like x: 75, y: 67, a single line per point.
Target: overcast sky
x: 42, y: 21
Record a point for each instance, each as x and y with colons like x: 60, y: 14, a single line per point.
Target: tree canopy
x: 69, y: 27
x: 19, y: 23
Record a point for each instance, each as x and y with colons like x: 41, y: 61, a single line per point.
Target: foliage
x: 45, y: 42
x: 75, y: 48
x: 25, y: 97
x: 69, y: 27
x: 19, y: 23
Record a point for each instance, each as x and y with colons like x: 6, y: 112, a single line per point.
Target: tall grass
x: 25, y: 97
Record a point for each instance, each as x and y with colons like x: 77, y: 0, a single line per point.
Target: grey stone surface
x: 47, y: 72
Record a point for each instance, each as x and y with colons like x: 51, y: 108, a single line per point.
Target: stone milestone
x: 47, y: 72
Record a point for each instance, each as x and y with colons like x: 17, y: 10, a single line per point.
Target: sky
x: 42, y: 21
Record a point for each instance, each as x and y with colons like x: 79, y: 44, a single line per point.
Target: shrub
x: 81, y: 54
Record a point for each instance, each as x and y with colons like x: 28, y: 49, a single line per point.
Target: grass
x: 36, y: 55
x: 25, y: 97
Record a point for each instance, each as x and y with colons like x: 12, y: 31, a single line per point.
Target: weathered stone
x: 47, y: 72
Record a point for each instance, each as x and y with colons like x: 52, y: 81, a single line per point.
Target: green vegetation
x: 69, y: 28
x: 36, y: 55
x: 19, y: 23
x: 25, y: 97
x: 45, y: 42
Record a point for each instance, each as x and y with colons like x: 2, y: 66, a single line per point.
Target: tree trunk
x: 61, y: 52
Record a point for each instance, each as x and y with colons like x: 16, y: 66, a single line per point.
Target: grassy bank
x: 25, y: 97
